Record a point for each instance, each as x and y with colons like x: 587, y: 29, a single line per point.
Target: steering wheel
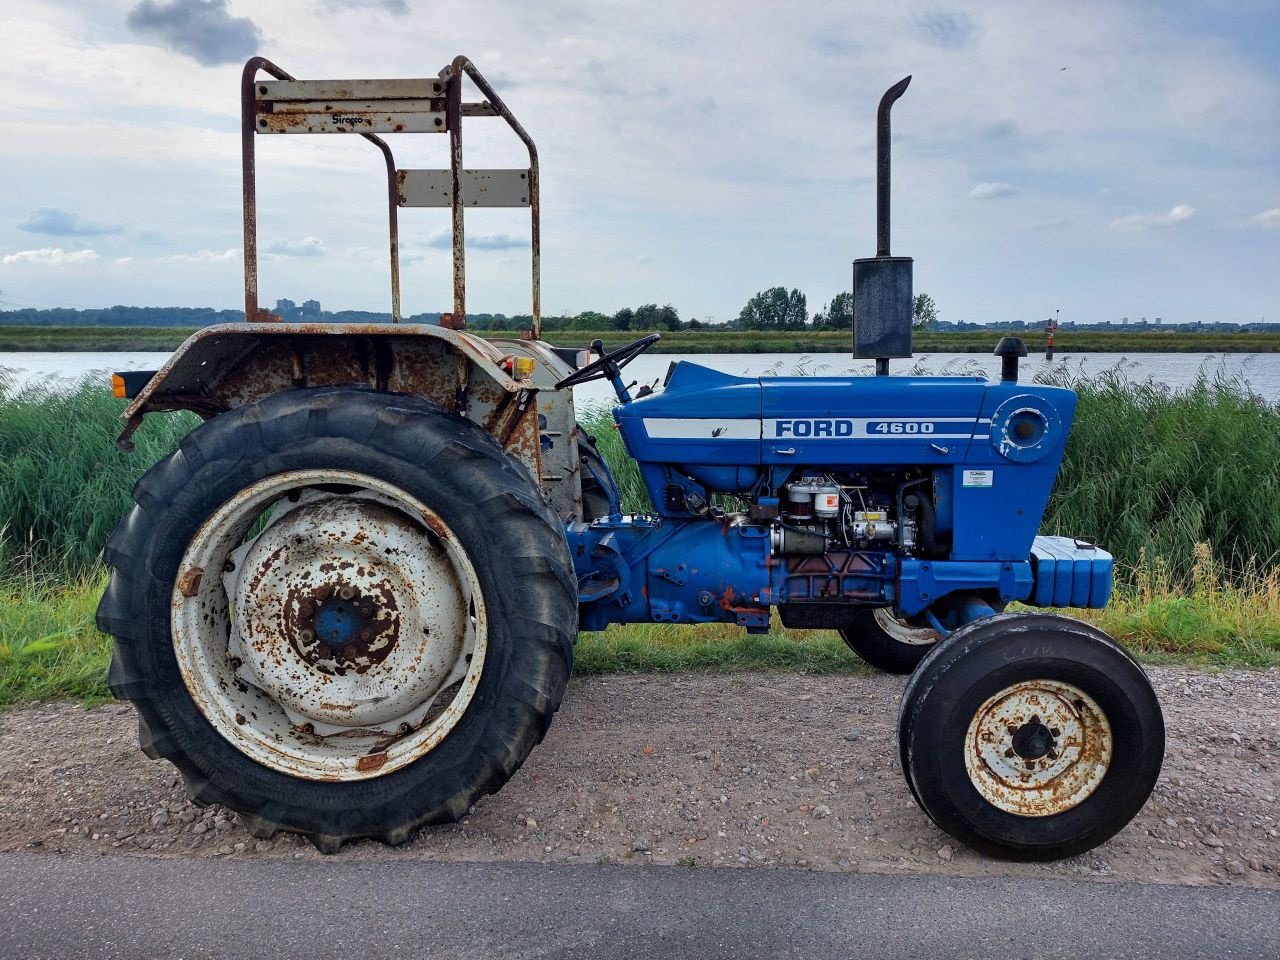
x: 607, y: 365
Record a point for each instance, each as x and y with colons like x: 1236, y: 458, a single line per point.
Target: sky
x: 1106, y: 159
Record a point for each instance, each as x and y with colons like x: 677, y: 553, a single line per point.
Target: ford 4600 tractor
x: 347, y: 604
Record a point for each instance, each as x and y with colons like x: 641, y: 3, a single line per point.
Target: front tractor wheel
x: 885, y: 642
x: 1030, y: 737
x: 340, y: 612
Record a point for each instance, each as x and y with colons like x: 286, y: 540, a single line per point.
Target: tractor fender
x: 221, y: 367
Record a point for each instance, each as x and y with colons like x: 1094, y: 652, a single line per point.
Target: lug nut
x: 305, y: 609
x: 1009, y: 752
x: 306, y: 636
x: 349, y: 651
x: 347, y: 592
x: 323, y: 593
x: 366, y: 634
x: 366, y: 610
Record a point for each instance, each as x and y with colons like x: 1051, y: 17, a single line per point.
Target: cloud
x: 950, y: 30
x: 55, y: 256
x: 202, y: 29
x: 1147, y: 221
x: 60, y: 223
x: 203, y: 256
x: 397, y: 8
x: 121, y: 261
x: 285, y: 249
x: 1268, y: 219
x: 990, y: 191
x: 443, y: 240
x: 832, y: 46
x: 645, y: 259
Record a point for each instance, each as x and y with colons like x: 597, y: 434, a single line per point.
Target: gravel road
x: 754, y: 770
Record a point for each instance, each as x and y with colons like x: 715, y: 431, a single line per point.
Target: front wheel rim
x: 1038, y: 748
x: 343, y: 639
x: 903, y: 632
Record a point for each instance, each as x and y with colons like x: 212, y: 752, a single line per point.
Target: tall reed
x: 1152, y: 471
x: 63, y: 482
x: 1149, y: 472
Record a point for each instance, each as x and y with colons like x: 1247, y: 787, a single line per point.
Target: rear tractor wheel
x: 340, y: 612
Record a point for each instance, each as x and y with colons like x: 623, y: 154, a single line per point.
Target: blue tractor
x: 347, y: 605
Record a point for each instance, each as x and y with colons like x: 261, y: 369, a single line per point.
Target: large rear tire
x: 1030, y: 736
x: 340, y: 612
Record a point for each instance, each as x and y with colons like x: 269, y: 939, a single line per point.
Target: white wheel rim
x: 903, y: 632
x: 344, y: 640
x: 1038, y: 748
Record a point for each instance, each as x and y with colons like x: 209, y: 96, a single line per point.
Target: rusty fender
x: 228, y: 365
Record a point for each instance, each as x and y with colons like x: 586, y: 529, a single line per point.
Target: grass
x: 49, y: 647
x: 1155, y: 474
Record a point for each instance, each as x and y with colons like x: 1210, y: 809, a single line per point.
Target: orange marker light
x: 524, y: 368
x: 117, y: 387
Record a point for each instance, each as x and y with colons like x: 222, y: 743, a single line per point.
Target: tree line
x: 773, y: 309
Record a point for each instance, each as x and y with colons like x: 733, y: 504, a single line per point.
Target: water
x: 1260, y: 371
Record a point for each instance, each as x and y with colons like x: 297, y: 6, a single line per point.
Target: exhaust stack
x: 882, y: 294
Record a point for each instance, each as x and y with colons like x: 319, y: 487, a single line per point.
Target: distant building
x: 310, y: 308
x: 284, y: 306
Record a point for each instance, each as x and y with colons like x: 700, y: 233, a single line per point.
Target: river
x: 1260, y: 371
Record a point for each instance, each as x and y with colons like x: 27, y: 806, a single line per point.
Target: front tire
x: 340, y: 612
x: 885, y: 642
x: 1030, y: 737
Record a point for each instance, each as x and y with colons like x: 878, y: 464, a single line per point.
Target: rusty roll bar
x: 452, y: 74
x: 248, y: 111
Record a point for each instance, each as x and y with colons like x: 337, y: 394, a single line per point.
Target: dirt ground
x: 755, y: 770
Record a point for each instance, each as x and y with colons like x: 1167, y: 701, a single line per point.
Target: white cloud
x: 1268, y: 219
x: 121, y: 261
x: 282, y: 249
x: 55, y: 256
x: 203, y: 256
x: 443, y: 240
x: 1147, y: 221
x: 990, y: 191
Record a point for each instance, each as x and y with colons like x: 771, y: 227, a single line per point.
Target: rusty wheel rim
x: 329, y: 624
x: 902, y: 631
x: 1038, y: 748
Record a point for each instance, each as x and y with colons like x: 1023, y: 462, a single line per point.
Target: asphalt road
x: 72, y: 907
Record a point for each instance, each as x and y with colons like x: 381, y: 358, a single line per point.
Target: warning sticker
x: 978, y: 478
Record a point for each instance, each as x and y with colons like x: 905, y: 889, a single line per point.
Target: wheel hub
x: 337, y: 625
x: 374, y: 639
x: 1033, y: 740
x: 1038, y: 748
x: 345, y: 640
